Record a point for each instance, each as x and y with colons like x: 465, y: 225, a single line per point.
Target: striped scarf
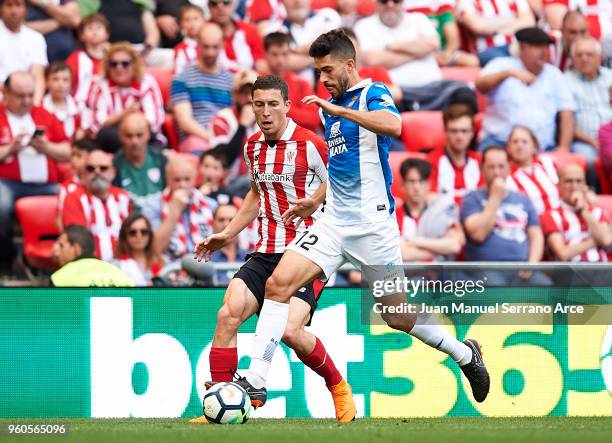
x: 200, y: 217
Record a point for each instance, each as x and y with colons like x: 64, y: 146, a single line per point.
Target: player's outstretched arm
x: 305, y: 207
x: 380, y: 121
x: 245, y: 215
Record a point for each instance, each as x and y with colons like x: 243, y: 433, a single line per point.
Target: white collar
x: 289, y: 130
x: 362, y: 84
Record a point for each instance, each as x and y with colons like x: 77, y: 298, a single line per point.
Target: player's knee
x: 278, y: 288
x: 291, y: 335
x: 226, y: 321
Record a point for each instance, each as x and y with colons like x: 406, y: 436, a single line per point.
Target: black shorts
x: 259, y: 266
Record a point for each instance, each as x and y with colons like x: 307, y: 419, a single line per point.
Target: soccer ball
x: 226, y: 403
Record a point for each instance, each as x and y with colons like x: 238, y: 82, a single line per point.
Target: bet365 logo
x: 606, y: 359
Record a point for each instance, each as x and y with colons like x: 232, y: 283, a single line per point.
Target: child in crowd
x: 58, y: 100
x: 191, y: 20
x: 213, y: 172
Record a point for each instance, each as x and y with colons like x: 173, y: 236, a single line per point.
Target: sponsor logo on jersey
x: 387, y: 100
x: 270, y: 177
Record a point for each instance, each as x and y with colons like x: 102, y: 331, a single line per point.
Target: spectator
x: 525, y: 90
x: 32, y: 141
x: 59, y: 101
x: 532, y: 174
x: 93, y: 33
x: 79, y: 151
x: 124, y: 87
x: 231, y: 252
x: 131, y: 21
x: 276, y: 45
x: 406, y: 44
x: 135, y: 252
x: 74, y: 252
x: 186, y: 52
x: 22, y: 48
x: 98, y: 205
x: 349, y: 12
x: 493, y: 23
x: 598, y: 14
x: 267, y: 15
x: 501, y: 225
x: 140, y: 167
x: 304, y: 26
x: 186, y: 214
x: 428, y: 231
x: 589, y: 83
x: 243, y: 45
x: 456, y: 169
x: 168, y: 19
x: 442, y: 16
x: 574, y: 26
x: 200, y: 91
x: 577, y: 230
x: 212, y: 172
x: 57, y: 21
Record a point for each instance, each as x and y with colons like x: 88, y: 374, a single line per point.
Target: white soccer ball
x: 226, y: 403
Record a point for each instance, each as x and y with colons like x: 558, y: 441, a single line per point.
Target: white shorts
x: 330, y: 245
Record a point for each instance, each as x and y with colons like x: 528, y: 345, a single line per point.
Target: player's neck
x: 277, y: 135
x: 354, y: 79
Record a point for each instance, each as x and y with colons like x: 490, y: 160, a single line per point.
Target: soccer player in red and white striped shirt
x: 93, y: 32
x: 576, y: 230
x: 288, y: 165
x: 532, y: 174
x: 98, y: 205
x: 456, y: 170
x: 191, y: 20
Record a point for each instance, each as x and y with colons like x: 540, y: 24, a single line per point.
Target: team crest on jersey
x: 289, y: 156
x: 154, y: 174
x: 334, y: 131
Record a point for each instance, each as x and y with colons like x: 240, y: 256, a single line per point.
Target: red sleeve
x: 548, y: 224
x: 321, y: 146
x: 72, y: 62
x: 72, y: 212
x: 258, y: 10
x: 255, y: 42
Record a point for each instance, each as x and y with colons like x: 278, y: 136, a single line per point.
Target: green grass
x: 455, y: 429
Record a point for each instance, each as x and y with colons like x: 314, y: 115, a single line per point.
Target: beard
x: 343, y: 85
x: 98, y: 185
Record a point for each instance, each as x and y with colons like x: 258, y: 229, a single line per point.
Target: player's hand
x: 206, y: 247
x: 524, y: 76
x: 299, y: 209
x: 328, y: 107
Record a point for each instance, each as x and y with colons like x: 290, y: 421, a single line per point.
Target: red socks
x: 223, y: 363
x: 320, y: 362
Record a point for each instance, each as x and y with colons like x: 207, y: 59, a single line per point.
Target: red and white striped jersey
x: 107, y: 99
x: 243, y: 48
x: 489, y: 9
x: 84, y: 68
x: 574, y: 229
x: 597, y: 12
x: 290, y: 169
x: 539, y: 182
x: 407, y: 223
x: 64, y: 189
x: 103, y: 218
x: 452, y: 180
x: 185, y: 54
x: 70, y: 115
x: 557, y: 56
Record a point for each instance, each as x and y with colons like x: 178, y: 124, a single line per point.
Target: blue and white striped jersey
x: 359, y: 186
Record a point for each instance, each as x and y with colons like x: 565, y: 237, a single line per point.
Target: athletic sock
x: 434, y: 335
x: 223, y: 363
x: 268, y: 333
x: 321, y: 362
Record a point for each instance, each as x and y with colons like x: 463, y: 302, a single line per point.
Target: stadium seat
x: 395, y: 161
x: 561, y: 158
x: 604, y: 179
x: 320, y: 4
x: 164, y: 79
x: 170, y: 131
x: 462, y: 74
x: 423, y: 131
x: 37, y: 218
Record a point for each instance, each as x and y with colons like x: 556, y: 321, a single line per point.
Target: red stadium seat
x: 395, y: 161
x: 37, y: 217
x: 320, y: 4
x: 604, y: 178
x: 562, y: 158
x: 169, y: 129
x: 164, y: 80
x: 462, y: 74
x: 423, y: 131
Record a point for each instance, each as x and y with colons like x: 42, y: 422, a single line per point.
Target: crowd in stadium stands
x: 129, y: 117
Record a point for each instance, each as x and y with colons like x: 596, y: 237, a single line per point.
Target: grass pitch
x: 456, y: 429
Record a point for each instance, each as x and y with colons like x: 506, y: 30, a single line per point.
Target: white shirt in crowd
x: 20, y: 50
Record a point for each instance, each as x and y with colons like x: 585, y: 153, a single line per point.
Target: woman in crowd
x: 135, y: 252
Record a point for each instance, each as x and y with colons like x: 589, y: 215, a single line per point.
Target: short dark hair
x: 271, y: 82
x: 189, y: 7
x: 349, y: 32
x: 57, y: 66
x: 222, y: 206
x: 423, y: 166
x: 94, y: 18
x: 491, y: 149
x: 276, y: 39
x: 217, y: 153
x: 80, y: 235
x: 457, y: 111
x: 335, y: 43
x: 85, y: 144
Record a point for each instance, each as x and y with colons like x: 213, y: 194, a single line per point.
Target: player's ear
x: 350, y: 64
x: 288, y: 104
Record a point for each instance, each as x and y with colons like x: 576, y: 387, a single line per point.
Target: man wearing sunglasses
x: 243, y: 44
x: 98, y: 205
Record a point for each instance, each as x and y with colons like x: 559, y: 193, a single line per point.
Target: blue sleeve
x: 470, y: 206
x: 379, y: 97
x: 179, y: 91
x: 532, y: 215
